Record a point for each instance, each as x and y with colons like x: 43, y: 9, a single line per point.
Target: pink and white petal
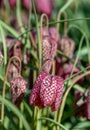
x: 48, y: 90
x: 35, y: 94
x: 60, y: 90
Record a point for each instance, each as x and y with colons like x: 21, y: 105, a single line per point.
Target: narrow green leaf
x: 56, y: 123
x: 16, y: 111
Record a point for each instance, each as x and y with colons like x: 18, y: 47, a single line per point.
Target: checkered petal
x: 49, y: 47
x: 48, y: 90
x: 59, y: 93
x: 67, y: 45
x: 35, y: 94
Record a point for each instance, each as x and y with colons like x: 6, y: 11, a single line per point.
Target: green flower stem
x: 38, y: 125
x: 34, y: 116
x: 74, y: 75
x: 86, y: 38
x: 74, y: 80
x: 21, y: 122
x: 69, y: 20
x: 18, y: 12
x: 55, y: 119
x: 66, y: 5
x: 4, y: 44
x: 65, y: 23
x: 79, y: 66
x: 4, y: 85
x: 7, y: 6
x: 38, y: 37
x: 76, y: 60
x: 10, y: 29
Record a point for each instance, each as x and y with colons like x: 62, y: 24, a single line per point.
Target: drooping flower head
x: 17, y: 88
x: 47, y: 91
x: 67, y: 46
x: 49, y: 47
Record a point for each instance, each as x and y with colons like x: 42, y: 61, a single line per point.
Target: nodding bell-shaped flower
x: 47, y: 91
x: 18, y: 89
x: 67, y: 46
x: 49, y: 47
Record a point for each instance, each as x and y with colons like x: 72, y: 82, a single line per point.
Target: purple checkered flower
x: 47, y: 91
x: 49, y: 47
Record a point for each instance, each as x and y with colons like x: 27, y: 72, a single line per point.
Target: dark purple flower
x: 18, y: 88
x: 47, y: 91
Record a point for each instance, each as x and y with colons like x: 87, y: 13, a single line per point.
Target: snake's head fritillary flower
x: 18, y: 88
x: 47, y: 91
x: 35, y: 95
x: 49, y: 47
x: 67, y: 46
x: 44, y: 6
